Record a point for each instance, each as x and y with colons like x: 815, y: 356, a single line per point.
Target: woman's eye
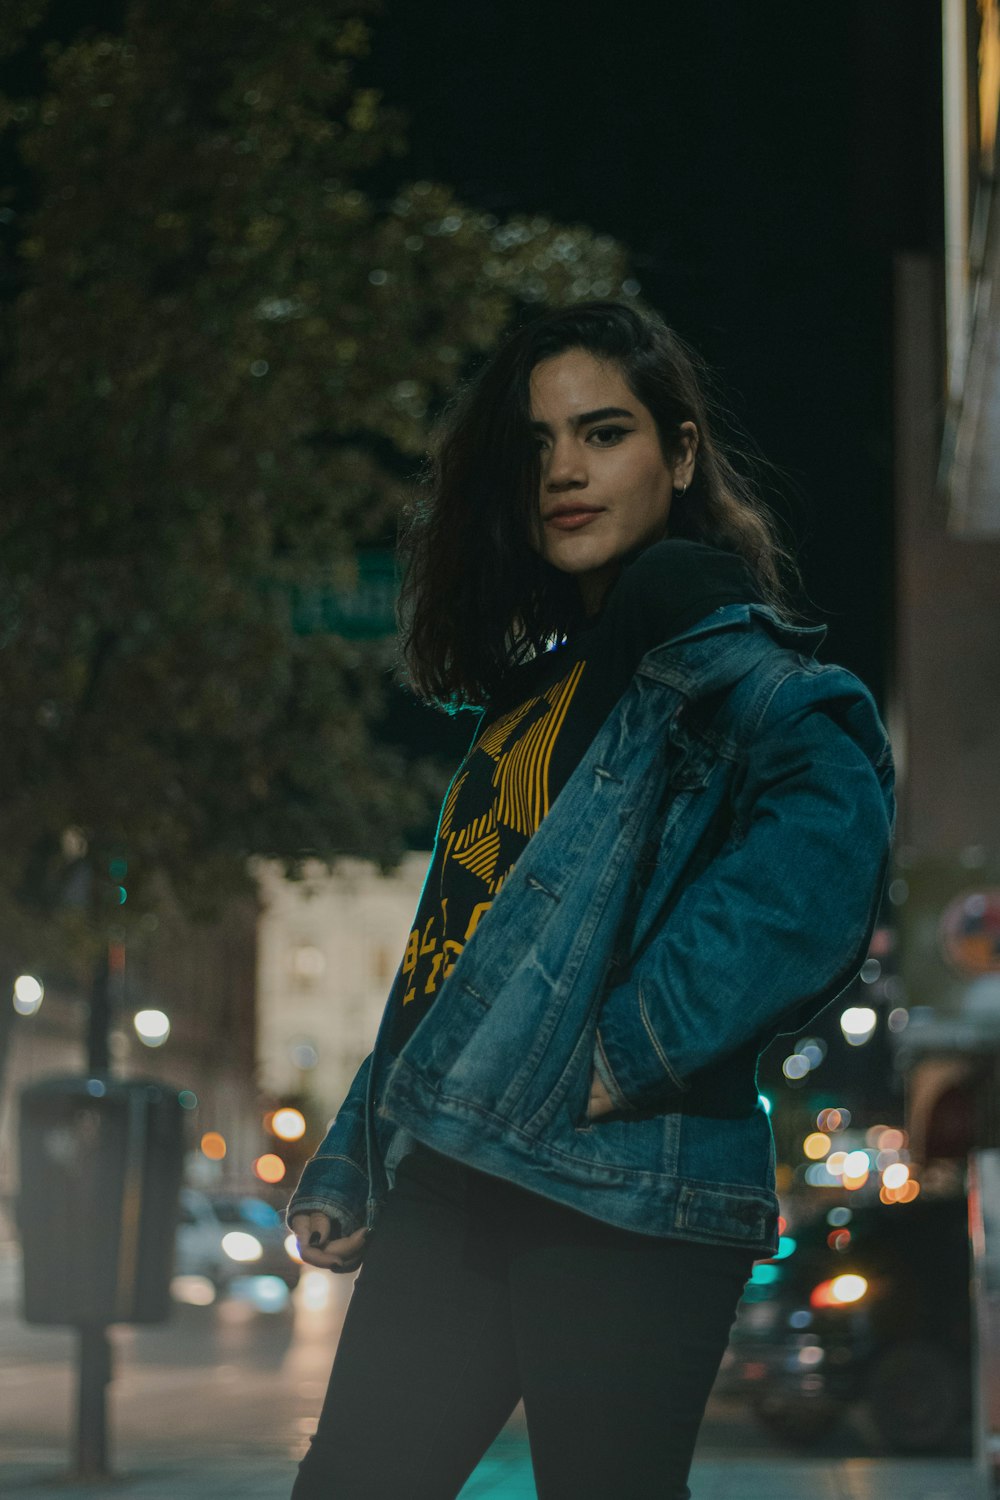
x: 606, y: 437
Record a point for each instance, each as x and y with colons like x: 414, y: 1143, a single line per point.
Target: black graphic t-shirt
x: 530, y: 740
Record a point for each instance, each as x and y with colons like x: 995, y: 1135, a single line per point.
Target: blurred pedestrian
x: 665, y: 845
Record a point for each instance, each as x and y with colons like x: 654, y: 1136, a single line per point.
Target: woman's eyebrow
x: 588, y: 416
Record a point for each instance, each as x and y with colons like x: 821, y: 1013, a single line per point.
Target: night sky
x: 764, y: 164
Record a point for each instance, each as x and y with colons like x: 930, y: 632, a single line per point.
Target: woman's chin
x: 580, y: 559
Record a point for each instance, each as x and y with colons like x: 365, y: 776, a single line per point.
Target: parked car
x: 866, y: 1304
x: 225, y: 1236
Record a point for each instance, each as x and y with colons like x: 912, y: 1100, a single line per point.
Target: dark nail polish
x: 315, y: 1237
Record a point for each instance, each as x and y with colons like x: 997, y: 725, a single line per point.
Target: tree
x: 218, y: 366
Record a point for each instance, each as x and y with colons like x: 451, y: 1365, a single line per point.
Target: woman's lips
x: 570, y: 520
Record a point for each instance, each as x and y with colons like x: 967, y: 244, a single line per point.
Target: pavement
x: 504, y: 1474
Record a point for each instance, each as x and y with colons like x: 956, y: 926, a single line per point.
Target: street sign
x: 362, y: 610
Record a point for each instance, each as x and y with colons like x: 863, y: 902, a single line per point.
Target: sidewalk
x: 504, y: 1474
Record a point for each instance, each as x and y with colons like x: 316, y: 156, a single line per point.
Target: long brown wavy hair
x: 476, y: 596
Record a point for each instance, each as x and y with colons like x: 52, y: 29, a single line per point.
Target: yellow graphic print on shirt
x: 486, y: 845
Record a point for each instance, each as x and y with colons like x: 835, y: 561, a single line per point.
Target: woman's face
x: 605, y: 485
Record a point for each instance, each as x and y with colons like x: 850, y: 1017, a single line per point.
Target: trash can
x: 100, y: 1173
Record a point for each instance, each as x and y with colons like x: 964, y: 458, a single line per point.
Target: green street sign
x: 364, y: 610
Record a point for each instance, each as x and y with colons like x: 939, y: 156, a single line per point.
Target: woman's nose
x: 565, y: 468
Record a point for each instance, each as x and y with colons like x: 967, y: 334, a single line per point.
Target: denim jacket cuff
x: 337, y: 1212
x: 331, y: 1185
x: 629, y: 1057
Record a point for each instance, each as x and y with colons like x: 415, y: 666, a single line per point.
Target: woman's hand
x: 318, y: 1247
x: 601, y: 1102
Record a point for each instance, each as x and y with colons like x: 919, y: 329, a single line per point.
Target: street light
x: 152, y: 1027
x: 28, y: 994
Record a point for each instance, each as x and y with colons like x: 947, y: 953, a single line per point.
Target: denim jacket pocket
x: 646, y: 1142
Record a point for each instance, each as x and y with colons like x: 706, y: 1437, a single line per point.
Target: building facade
x: 328, y: 948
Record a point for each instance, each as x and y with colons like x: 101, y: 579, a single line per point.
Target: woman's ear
x: 687, y: 449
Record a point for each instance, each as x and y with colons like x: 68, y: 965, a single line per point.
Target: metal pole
x: 94, y: 1370
x: 91, y: 1426
x: 6, y: 1030
x: 99, y: 1021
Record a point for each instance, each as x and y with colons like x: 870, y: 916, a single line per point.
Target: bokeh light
x: 288, y: 1124
x: 28, y: 994
x: 841, y: 1291
x: 795, y: 1067
x: 849, y: 1288
x: 316, y: 1290
x: 304, y: 1055
x: 858, y: 1024
x: 196, y: 1291
x: 213, y: 1145
x: 241, y: 1246
x: 857, y: 1167
x: 813, y: 1049
x: 152, y: 1027
x: 265, y: 1294
x: 817, y: 1175
x: 269, y: 1167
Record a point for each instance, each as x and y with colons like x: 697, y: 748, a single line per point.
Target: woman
x: 666, y: 845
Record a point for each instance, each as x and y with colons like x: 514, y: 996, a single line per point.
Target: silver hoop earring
x: 680, y: 491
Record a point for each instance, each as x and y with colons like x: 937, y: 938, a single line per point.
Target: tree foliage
x: 217, y: 374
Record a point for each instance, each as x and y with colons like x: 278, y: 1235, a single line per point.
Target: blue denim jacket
x: 708, y: 877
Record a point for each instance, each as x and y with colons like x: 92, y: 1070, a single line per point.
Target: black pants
x: 474, y: 1293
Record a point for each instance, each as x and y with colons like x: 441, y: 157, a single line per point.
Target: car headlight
x: 840, y: 1292
x: 242, y: 1247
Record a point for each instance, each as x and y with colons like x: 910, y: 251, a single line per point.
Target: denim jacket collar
x: 693, y: 662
